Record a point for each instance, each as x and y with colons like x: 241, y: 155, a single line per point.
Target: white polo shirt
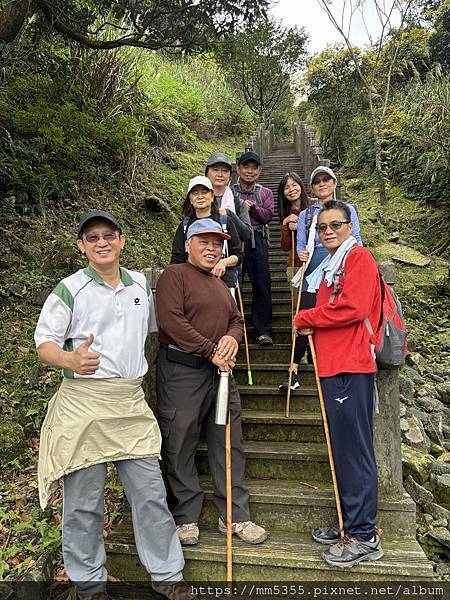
x: 118, y: 318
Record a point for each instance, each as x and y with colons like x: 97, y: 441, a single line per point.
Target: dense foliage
x: 415, y: 131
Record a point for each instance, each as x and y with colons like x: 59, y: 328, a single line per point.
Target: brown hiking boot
x: 175, y: 591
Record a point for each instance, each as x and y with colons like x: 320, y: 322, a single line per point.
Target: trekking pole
x: 327, y: 437
x: 247, y: 353
x: 229, y: 500
x: 294, y: 337
x: 223, y: 418
x: 292, y: 265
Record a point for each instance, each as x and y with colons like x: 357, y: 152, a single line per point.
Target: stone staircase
x: 287, y: 468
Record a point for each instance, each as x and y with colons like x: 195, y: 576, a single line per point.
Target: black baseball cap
x: 249, y: 157
x: 97, y: 215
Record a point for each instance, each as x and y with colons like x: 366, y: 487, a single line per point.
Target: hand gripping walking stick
x: 294, y: 336
x: 247, y: 353
x: 223, y: 418
x: 327, y: 437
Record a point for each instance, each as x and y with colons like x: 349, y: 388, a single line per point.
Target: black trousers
x: 308, y: 300
x: 349, y: 405
x: 186, y: 400
x: 256, y: 265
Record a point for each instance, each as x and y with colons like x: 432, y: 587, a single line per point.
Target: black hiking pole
x: 327, y: 437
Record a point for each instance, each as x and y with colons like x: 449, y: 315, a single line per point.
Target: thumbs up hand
x: 84, y: 362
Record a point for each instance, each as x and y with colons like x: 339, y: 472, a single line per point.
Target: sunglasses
x: 334, y: 226
x: 93, y: 238
x: 324, y: 179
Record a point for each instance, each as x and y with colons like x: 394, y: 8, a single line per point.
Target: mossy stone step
x: 283, y: 558
x: 258, y: 425
x: 299, y: 506
x: 268, y: 397
x: 277, y: 353
x: 278, y: 293
x: 278, y: 460
x: 271, y: 373
x: 279, y: 318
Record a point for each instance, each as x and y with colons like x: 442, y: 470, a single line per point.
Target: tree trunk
x: 12, y: 18
x: 379, y: 162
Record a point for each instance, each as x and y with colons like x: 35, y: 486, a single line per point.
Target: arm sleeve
x: 356, y: 232
x: 236, y: 324
x: 54, y: 322
x: 241, y: 221
x: 353, y: 304
x: 286, y: 238
x: 234, y: 245
x: 152, y: 324
x: 301, y: 232
x: 172, y: 320
x: 178, y: 249
x: 263, y: 213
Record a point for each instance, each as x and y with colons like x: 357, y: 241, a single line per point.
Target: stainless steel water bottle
x: 222, y: 398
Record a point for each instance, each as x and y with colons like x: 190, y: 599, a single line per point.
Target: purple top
x: 259, y: 215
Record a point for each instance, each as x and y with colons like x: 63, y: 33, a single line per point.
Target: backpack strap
x: 308, y: 220
x: 258, y: 200
x: 338, y: 276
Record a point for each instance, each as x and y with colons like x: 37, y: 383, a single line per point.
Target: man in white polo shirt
x: 93, y: 326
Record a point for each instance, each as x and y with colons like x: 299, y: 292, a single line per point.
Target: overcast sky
x: 308, y: 14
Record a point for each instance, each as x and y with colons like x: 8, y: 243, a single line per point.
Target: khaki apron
x: 92, y: 421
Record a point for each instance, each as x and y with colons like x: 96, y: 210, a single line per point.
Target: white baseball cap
x: 322, y: 170
x: 200, y: 180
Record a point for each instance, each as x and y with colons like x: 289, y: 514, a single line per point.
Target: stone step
x: 268, y: 397
x: 278, y: 460
x: 299, y: 506
x: 285, y: 557
x: 279, y: 353
x: 270, y: 373
x: 279, y: 318
x: 260, y: 425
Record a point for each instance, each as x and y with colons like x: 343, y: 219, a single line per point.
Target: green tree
x: 264, y: 64
x: 155, y: 24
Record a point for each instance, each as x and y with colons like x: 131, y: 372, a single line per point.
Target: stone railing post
x: 386, y: 424
x: 151, y: 347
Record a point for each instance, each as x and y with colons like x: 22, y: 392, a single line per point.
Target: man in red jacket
x: 348, y: 293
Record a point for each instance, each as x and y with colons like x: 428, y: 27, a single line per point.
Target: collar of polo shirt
x: 125, y: 278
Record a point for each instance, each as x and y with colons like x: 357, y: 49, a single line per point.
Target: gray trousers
x: 186, y: 401
x: 155, y: 533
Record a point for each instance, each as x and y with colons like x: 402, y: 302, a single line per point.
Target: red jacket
x: 341, y: 337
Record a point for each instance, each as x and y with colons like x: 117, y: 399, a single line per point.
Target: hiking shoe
x: 188, y: 534
x: 175, y: 591
x: 283, y: 387
x: 327, y: 535
x: 264, y: 340
x: 350, y: 552
x: 247, y: 531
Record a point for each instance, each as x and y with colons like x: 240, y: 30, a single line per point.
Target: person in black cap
x: 200, y: 329
x: 218, y: 170
x: 93, y: 326
x: 260, y: 204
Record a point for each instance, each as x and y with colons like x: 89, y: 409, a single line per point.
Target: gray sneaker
x: 350, y: 552
x: 247, y: 531
x: 327, y: 535
x: 188, y: 534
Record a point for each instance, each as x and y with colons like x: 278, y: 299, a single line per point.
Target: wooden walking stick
x: 223, y: 417
x: 327, y: 437
x: 292, y: 265
x: 229, y: 500
x: 247, y: 353
x: 294, y: 335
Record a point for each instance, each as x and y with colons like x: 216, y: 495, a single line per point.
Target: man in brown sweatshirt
x: 199, y: 331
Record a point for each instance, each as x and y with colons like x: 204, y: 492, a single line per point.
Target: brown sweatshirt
x: 195, y: 309
x: 286, y: 241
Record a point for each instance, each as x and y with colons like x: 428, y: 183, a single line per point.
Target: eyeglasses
x: 94, y: 238
x: 334, y: 226
x: 324, y: 179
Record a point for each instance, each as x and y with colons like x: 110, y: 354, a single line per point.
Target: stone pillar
x: 151, y: 347
x: 386, y: 424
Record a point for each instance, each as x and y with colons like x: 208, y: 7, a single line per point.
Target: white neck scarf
x: 228, y: 200
x: 328, y: 267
